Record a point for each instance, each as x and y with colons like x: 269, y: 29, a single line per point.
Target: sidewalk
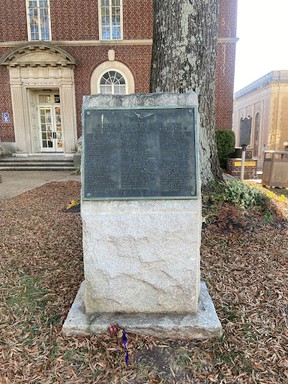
x: 16, y: 182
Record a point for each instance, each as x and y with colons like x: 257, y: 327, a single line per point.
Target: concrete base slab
x: 204, y: 324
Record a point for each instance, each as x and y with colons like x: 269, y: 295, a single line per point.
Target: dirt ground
x: 244, y: 263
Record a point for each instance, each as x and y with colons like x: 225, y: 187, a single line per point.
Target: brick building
x: 52, y: 53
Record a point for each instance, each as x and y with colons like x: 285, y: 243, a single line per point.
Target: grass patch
x: 30, y: 295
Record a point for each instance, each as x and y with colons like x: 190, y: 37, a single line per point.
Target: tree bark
x: 184, y: 60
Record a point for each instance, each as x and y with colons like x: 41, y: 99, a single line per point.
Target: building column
x: 67, y: 96
x: 22, y: 134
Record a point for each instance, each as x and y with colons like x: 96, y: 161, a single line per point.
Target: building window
x: 110, y: 19
x: 38, y: 19
x: 113, y: 83
x: 256, y: 135
x: 112, y: 77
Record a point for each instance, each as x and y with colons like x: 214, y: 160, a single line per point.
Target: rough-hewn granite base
x: 204, y: 324
x: 142, y: 256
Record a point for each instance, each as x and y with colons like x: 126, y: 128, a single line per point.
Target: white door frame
x: 50, y: 131
x: 41, y: 67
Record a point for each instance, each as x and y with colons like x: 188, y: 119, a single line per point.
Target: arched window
x: 113, y: 83
x: 112, y: 77
x: 256, y: 134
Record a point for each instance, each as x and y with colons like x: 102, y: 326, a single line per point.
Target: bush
x: 225, y: 141
x: 244, y: 196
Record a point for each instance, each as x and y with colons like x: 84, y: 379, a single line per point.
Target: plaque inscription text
x: 139, y: 153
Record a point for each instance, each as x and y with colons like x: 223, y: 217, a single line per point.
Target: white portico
x: 43, y: 98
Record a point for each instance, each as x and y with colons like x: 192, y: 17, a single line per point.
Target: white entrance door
x: 49, y: 112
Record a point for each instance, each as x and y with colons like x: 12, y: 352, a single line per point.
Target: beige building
x: 266, y: 102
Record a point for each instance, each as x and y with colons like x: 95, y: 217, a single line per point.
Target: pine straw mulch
x: 244, y: 263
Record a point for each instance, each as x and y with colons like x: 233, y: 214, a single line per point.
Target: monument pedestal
x: 142, y: 256
x: 201, y: 325
x: 141, y: 212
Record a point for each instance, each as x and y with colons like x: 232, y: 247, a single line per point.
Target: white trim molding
x: 82, y: 43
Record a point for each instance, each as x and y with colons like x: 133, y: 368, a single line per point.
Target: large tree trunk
x: 184, y: 59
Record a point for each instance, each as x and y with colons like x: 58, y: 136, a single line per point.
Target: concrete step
x: 31, y: 168
x: 34, y: 164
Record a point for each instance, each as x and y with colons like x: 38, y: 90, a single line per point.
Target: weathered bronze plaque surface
x: 245, y: 131
x: 139, y: 153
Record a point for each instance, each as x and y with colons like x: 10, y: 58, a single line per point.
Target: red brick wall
x: 250, y: 171
x: 65, y: 22
x: 138, y: 19
x: 13, y: 21
x: 74, y: 20
x: 136, y: 58
x: 225, y: 66
x: 6, y: 129
x: 227, y: 25
x: 225, y: 85
x: 71, y: 21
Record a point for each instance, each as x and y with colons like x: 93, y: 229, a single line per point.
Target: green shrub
x: 242, y: 195
x: 225, y: 141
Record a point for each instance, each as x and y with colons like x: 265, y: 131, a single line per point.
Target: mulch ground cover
x: 244, y: 263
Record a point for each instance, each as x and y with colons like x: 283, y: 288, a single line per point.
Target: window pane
x: 116, y: 11
x: 122, y: 81
x: 112, y: 82
x: 105, y: 12
x: 44, y: 99
x: 38, y: 19
x: 106, y: 21
x: 123, y: 90
x: 116, y: 32
x: 43, y: 15
x: 106, y: 89
x: 115, y: 21
x: 105, y: 33
x: 119, y: 90
x: 44, y: 22
x: 106, y: 76
x: 111, y: 19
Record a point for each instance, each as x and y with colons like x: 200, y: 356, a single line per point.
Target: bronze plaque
x: 139, y: 153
